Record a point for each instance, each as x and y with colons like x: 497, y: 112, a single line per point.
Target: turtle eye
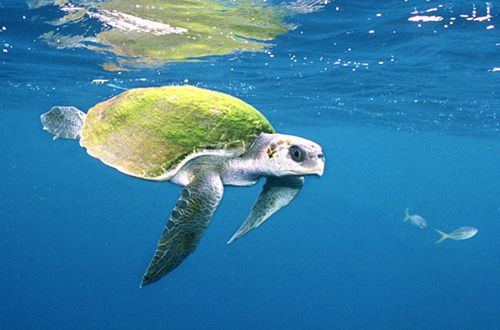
x: 297, y: 153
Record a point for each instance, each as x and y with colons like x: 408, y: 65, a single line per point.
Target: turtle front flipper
x: 187, y: 223
x: 277, y: 193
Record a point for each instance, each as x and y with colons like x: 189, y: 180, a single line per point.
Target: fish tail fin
x: 443, y: 236
x: 407, y: 215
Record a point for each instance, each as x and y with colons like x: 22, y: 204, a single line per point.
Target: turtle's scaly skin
x: 148, y: 132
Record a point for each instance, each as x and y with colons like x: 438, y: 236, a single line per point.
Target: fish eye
x: 297, y: 153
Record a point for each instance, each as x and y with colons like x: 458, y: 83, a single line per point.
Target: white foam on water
x: 419, y: 16
x: 423, y: 18
x: 99, y: 81
x: 70, y: 8
x: 307, y: 6
x: 127, y: 22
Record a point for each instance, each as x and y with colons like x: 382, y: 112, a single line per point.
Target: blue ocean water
x: 407, y: 112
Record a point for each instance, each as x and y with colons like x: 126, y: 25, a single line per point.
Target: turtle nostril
x: 320, y: 156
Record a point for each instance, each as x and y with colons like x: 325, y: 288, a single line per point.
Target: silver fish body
x: 458, y: 234
x: 415, y: 219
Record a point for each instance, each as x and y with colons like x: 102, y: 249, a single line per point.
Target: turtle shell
x: 151, y: 132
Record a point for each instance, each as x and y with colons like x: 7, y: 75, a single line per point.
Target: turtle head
x: 291, y: 155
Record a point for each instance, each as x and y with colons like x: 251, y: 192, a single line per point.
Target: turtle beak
x: 320, y: 164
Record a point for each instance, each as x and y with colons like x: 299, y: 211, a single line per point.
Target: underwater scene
x: 254, y: 164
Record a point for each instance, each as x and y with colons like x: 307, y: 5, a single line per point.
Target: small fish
x: 458, y: 234
x: 415, y: 219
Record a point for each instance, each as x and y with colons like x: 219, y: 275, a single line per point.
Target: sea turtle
x: 196, y: 138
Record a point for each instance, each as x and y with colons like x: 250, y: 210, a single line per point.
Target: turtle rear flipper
x: 63, y: 122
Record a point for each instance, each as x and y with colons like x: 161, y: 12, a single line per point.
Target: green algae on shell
x: 153, y: 32
x: 149, y: 132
